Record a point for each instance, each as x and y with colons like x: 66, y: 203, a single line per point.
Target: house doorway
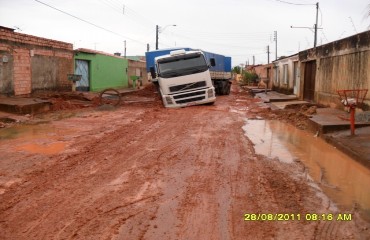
x: 295, y: 78
x: 309, y: 81
x: 82, y: 68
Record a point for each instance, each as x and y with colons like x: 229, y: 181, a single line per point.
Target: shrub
x: 250, y: 78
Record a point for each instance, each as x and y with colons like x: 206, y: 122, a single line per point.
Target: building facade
x: 100, y: 70
x: 29, y: 63
x: 316, y: 74
x: 286, y: 75
x: 339, y: 65
x: 264, y: 73
x: 137, y: 68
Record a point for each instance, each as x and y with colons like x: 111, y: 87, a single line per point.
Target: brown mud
x: 141, y: 171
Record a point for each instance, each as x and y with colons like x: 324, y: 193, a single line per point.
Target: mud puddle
x: 344, y: 180
x: 26, y: 131
x: 39, y: 139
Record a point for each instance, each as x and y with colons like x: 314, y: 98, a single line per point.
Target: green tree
x: 236, y: 70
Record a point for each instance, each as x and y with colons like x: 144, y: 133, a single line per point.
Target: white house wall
x: 285, y: 79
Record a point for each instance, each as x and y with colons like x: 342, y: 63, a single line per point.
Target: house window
x: 285, y: 74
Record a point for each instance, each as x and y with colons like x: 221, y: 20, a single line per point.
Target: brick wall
x: 134, y: 67
x: 49, y: 71
x: 22, y: 71
x: 9, y: 35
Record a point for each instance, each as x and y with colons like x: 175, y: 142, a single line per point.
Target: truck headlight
x: 211, y: 93
x: 169, y: 100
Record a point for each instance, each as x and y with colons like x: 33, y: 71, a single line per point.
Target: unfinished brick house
x: 29, y: 63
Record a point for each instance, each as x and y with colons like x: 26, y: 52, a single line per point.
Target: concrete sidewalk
x: 273, y: 96
x: 24, y: 105
x: 333, y: 125
x: 357, y: 146
x: 328, y: 120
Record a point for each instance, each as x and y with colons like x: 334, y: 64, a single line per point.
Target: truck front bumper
x: 184, y: 99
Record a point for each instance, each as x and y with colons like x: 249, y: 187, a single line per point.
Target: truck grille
x: 188, y: 86
x: 189, y: 94
x: 190, y: 100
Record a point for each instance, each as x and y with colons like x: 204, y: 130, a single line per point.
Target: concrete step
x: 328, y: 120
x: 273, y: 96
x: 20, y: 105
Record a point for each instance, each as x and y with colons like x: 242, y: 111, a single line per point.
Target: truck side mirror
x: 213, y: 62
x: 152, y: 72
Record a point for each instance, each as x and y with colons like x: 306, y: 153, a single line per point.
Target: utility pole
x: 268, y: 54
x: 125, y: 50
x: 147, y: 47
x: 156, y: 36
x: 158, y: 30
x: 315, y: 27
x: 317, y: 18
x: 275, y: 39
x: 254, y: 62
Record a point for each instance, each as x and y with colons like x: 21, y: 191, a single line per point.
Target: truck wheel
x: 228, y: 88
x: 224, y: 88
x: 217, y: 86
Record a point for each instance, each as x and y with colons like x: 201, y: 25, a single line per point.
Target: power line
x: 321, y: 18
x: 93, y: 24
x: 298, y: 4
x: 124, y: 10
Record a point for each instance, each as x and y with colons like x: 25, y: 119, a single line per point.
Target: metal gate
x: 309, y: 81
x: 295, y: 78
x: 82, y: 68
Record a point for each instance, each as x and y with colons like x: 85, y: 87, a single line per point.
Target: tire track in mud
x: 64, y: 171
x: 159, y: 174
x: 206, y: 201
x: 60, y: 181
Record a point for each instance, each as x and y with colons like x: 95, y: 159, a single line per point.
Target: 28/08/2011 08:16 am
x: 297, y: 217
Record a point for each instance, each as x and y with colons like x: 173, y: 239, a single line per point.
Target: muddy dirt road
x: 145, y: 172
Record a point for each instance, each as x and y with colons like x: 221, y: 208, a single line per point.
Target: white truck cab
x: 183, y: 78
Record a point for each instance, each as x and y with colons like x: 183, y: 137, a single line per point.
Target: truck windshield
x: 182, y: 65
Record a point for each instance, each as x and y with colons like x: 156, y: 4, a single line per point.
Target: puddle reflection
x: 26, y: 131
x: 343, y: 179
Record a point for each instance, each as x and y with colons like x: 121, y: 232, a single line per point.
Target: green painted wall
x: 105, y: 71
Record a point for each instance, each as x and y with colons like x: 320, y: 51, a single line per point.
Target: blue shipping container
x: 227, y: 64
x: 149, y: 56
x: 220, y: 63
x: 223, y: 64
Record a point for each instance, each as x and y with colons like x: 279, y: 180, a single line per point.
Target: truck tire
x: 225, y: 88
x: 228, y: 88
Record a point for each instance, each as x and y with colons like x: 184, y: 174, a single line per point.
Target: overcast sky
x: 237, y: 28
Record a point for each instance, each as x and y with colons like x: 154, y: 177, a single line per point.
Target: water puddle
x: 27, y: 131
x: 343, y: 179
x: 51, y: 148
x: 39, y: 138
x: 266, y: 141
